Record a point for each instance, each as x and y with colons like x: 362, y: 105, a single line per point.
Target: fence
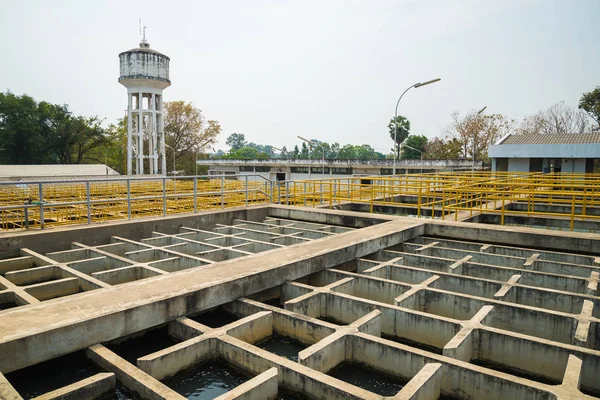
x: 42, y: 204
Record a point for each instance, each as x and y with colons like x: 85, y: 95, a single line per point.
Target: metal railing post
x: 222, y: 191
x: 278, y: 193
x: 195, y: 194
x: 287, y: 193
x: 128, y: 198
x: 304, y: 194
x: 246, y: 189
x: 443, y: 203
x: 41, y: 198
x: 572, y: 225
x: 88, y: 202
x: 164, y: 196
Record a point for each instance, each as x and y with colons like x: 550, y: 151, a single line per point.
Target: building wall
x: 576, y: 165
x: 518, y: 165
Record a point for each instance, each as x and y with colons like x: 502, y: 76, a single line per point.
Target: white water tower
x: 145, y: 74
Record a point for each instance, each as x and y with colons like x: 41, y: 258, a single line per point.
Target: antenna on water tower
x: 142, y: 28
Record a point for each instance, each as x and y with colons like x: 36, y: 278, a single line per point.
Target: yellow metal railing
x: 452, y: 195
x: 459, y: 196
x: 42, y: 204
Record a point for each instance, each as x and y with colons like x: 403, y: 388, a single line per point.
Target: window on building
x: 387, y: 171
x: 246, y: 168
x: 262, y: 169
x: 299, y: 170
x: 342, y: 171
x: 319, y: 170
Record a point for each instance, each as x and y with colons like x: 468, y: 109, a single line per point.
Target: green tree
x: 245, y: 153
x: 333, y: 151
x: 364, y: 152
x: 296, y: 152
x: 188, y: 132
x: 44, y: 133
x: 284, y: 152
x: 304, y: 151
x: 21, y: 138
x: 236, y: 141
x: 348, y: 152
x: 418, y: 142
x: 403, y: 132
x: 590, y: 103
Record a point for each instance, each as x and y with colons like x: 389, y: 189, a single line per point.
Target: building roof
x: 55, y: 170
x: 572, y: 138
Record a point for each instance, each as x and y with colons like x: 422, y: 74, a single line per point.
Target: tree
x: 236, y: 141
x: 556, y: 119
x: 417, y: 142
x: 475, y: 132
x: 304, y: 152
x: 403, y: 132
x: 364, y: 152
x: 284, y: 152
x: 334, y: 149
x: 590, y: 103
x: 443, y: 149
x: 348, y: 152
x: 296, y: 152
x: 44, y: 133
x: 245, y: 153
x: 187, y: 131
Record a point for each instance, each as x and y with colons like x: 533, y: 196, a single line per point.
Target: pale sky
x: 329, y: 70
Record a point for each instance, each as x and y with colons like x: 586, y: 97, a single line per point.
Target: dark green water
x: 7, y: 305
x: 139, y: 346
x: 516, y: 372
x: 51, y: 375
x: 207, y: 381
x: 282, y: 346
x: 289, y: 396
x: 120, y: 393
x: 215, y: 318
x: 366, y: 378
x: 276, y: 302
x: 412, y: 343
x: 589, y: 392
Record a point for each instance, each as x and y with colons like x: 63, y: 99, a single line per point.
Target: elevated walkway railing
x: 43, y: 204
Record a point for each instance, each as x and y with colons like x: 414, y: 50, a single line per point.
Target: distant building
x: 55, y: 172
x: 284, y: 169
x: 546, y: 153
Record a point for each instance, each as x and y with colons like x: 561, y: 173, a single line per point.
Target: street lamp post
x: 420, y: 152
x: 274, y: 148
x: 476, y: 126
x: 310, y: 145
x: 416, y: 85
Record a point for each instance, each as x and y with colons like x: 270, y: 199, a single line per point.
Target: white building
x: 283, y: 169
x: 55, y: 172
x: 546, y: 153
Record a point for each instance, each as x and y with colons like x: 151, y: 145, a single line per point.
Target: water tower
x: 145, y: 74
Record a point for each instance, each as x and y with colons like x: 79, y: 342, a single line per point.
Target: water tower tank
x: 144, y: 64
x: 145, y: 73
